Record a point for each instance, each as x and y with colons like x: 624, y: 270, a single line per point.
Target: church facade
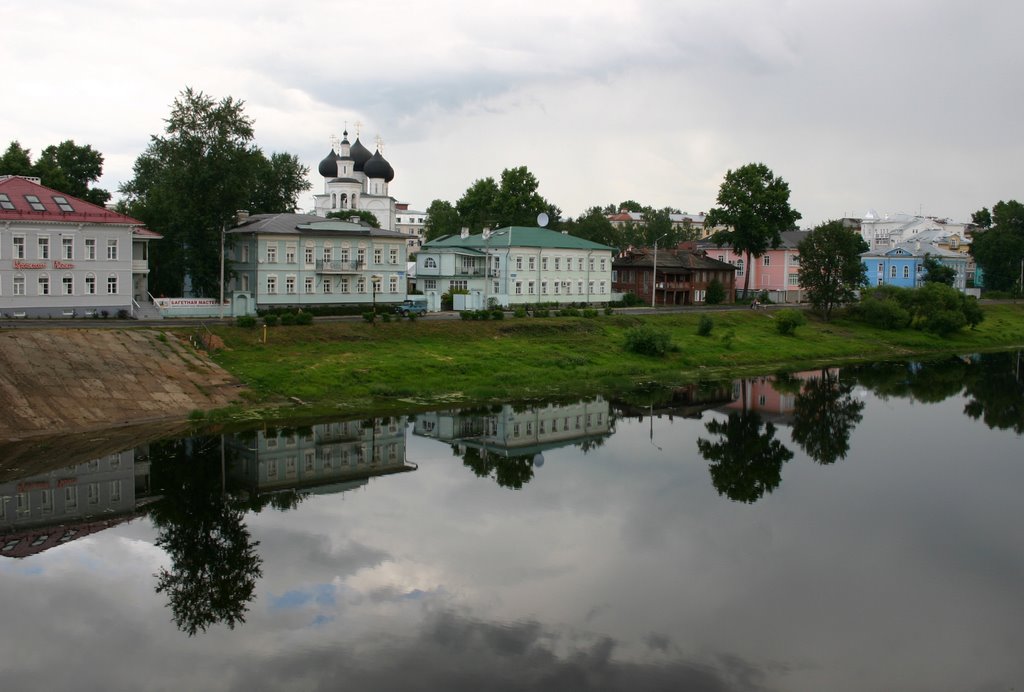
x: 356, y: 180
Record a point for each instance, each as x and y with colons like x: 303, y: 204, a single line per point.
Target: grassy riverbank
x: 355, y: 367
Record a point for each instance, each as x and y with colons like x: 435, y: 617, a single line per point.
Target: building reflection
x: 319, y: 459
x: 48, y: 509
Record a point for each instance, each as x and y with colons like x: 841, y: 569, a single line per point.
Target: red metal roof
x: 16, y: 187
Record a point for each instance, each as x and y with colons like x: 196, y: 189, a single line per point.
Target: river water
x: 840, y: 529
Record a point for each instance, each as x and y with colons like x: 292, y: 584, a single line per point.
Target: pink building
x: 776, y: 271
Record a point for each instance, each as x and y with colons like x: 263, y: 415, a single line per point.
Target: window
x: 558, y: 287
x: 430, y: 263
x: 591, y: 264
x: 19, y: 285
x: 115, y: 491
x: 328, y: 286
x: 271, y: 284
x: 519, y: 263
x: 378, y: 255
x: 112, y: 249
x: 739, y: 267
x: 579, y: 285
x: 44, y: 285
x: 532, y: 263
x: 343, y: 285
x: 906, y: 272
x: 519, y: 288
x: 892, y: 271
x: 793, y: 279
x: 393, y: 284
x: 43, y: 248
x: 94, y: 493
x: 531, y: 287
x: 67, y: 248
x: 393, y: 256
x: 34, y: 202
x: 245, y: 252
x: 881, y: 267
x: 603, y: 264
x: 361, y: 256
x: 544, y: 287
x: 63, y: 204
x: 271, y: 254
x: 430, y: 284
x: 558, y: 264
x: 245, y: 282
x: 360, y: 285
x: 603, y: 287
x: 766, y: 260
x: 289, y: 285
x: 19, y: 247
x: 458, y: 284
x: 590, y: 286
x: 309, y: 254
x: 375, y: 280
x: 328, y: 253
x: 67, y: 285
x: 544, y: 263
x: 90, y: 284
x: 343, y: 254
x: 5, y: 202
x: 310, y: 288
x: 289, y: 255
x: 70, y: 497
x: 111, y: 285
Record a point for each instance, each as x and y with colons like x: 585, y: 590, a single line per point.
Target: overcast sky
x: 899, y: 106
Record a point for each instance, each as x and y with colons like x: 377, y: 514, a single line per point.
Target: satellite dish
x: 542, y: 219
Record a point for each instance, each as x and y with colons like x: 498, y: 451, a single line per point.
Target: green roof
x: 516, y: 236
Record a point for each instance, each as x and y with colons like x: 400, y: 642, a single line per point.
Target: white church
x: 355, y: 179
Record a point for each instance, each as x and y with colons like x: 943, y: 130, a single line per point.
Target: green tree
x: 190, y: 182
x: 936, y: 272
x: 442, y: 219
x: 753, y: 203
x: 745, y: 463
x: 982, y: 218
x: 824, y: 415
x: 478, y: 206
x: 831, y: 271
x: 507, y: 471
x: 594, y: 225
x: 513, y: 202
x: 16, y: 160
x: 71, y: 168
x: 999, y: 250
x: 362, y: 214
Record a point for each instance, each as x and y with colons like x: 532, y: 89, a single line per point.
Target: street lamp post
x: 654, y: 271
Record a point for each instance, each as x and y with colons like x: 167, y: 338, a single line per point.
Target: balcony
x: 339, y: 267
x: 140, y: 266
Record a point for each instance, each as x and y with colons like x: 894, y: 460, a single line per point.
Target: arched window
x: 430, y: 263
x: 344, y: 201
x: 739, y: 267
x: 334, y: 201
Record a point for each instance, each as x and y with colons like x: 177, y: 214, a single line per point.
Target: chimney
x: 241, y: 215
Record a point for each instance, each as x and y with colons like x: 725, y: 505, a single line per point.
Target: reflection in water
x: 995, y: 388
x: 214, y: 564
x: 745, y: 462
x: 506, y: 443
x: 824, y: 415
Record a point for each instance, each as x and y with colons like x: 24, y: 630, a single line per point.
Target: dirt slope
x: 73, y: 380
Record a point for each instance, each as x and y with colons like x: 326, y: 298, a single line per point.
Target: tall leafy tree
x: 753, y: 203
x: 999, y: 250
x: 512, y: 202
x: 937, y: 272
x: 478, y: 206
x: 594, y: 225
x: 442, y: 219
x: 190, y: 182
x: 16, y: 160
x: 831, y: 270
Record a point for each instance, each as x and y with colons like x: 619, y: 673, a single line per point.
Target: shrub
x: 122, y: 314
x: 648, y: 341
x: 466, y: 315
x: 608, y: 310
x: 497, y: 314
x: 270, y: 320
x: 590, y: 313
x: 569, y: 312
x: 304, y: 318
x: 411, y: 316
x: 288, y: 319
x: 631, y: 299
x: 370, y: 316
x: 715, y: 293
x: 386, y: 316
x: 519, y: 312
x: 786, y: 321
x: 883, y: 314
x: 541, y: 313
x: 247, y: 321
x: 705, y: 326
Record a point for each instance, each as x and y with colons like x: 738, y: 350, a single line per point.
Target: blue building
x: 903, y: 265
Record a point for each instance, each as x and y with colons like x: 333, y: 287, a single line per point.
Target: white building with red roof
x: 61, y: 256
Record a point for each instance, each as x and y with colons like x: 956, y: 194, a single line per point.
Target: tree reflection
x: 507, y: 471
x: 214, y: 563
x: 995, y: 388
x: 746, y: 463
x: 824, y: 415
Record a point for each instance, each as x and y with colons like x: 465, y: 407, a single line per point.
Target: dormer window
x: 35, y: 203
x: 5, y: 202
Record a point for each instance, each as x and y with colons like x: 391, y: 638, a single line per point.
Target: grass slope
x: 390, y: 367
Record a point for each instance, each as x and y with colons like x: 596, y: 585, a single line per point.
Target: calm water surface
x: 855, y: 529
